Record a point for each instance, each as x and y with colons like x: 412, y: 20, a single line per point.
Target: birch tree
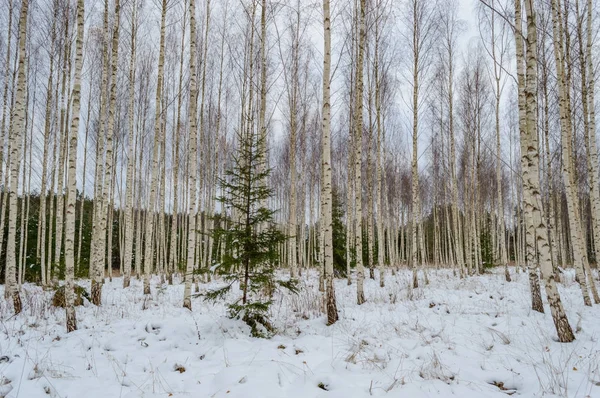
x: 591, y: 130
x: 379, y: 166
x: 158, y: 131
x: 498, y: 47
x: 451, y: 26
x: 561, y: 60
x: 128, y: 218
x: 358, y: 133
x: 191, y: 238
x: 419, y: 35
x: 72, y: 174
x: 16, y: 131
x: 531, y: 184
x: 98, y: 248
x: 326, y: 195
x: 589, y: 124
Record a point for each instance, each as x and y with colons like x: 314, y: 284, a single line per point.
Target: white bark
x: 72, y: 174
x: 326, y: 196
x: 191, y: 237
x: 358, y: 130
x: 15, y: 135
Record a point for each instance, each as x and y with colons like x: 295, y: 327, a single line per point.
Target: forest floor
x: 470, y: 338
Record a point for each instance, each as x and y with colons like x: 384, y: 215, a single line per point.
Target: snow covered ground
x: 471, y: 338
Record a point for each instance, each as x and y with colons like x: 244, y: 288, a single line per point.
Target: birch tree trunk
x: 591, y: 131
x: 5, y: 94
x: 293, y: 102
x: 105, y: 226
x: 360, y: 271
x: 552, y: 236
x: 8, y: 83
x: 174, y: 247
x: 41, y: 236
x: 158, y: 115
x: 72, y: 175
x: 139, y: 214
x: 203, y: 174
x: 380, y: 234
x: 349, y: 201
x: 589, y: 115
x: 528, y: 175
x: 193, y: 153
x: 16, y: 129
x: 415, y: 149
x: 532, y: 195
x: 216, y: 167
x: 574, y: 229
x: 23, y: 179
x: 98, y: 254
x: 449, y: 23
x: 369, y: 204
x: 326, y: 196
x: 82, y: 205
x: 26, y: 188
x: 262, y: 108
x: 498, y: 70
x: 63, y: 131
x: 128, y: 218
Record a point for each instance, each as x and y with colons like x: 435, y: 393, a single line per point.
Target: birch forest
x: 298, y: 198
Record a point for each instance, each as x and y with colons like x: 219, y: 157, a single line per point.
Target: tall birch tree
x: 16, y: 131
x: 193, y: 153
x: 326, y: 195
x: 72, y: 174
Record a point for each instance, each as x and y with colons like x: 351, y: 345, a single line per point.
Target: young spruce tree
x: 251, y: 235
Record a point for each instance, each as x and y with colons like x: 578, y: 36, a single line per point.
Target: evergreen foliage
x: 253, y: 240
x: 339, y: 236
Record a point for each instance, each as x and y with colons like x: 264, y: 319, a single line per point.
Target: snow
x: 470, y: 338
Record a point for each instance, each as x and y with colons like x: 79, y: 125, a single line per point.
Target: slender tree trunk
x: 370, y: 204
x: 580, y: 257
x: 262, y: 110
x: 217, y: 127
x: 360, y: 272
x: 293, y: 240
x: 82, y: 205
x: 456, y: 218
x: 25, y: 181
x: 501, y: 224
x: 200, y: 248
x: 589, y: 115
x: 378, y: 204
x: 64, y: 131
x: 8, y: 83
x: 107, y: 192
x: 98, y: 252
x: 41, y: 236
x: 349, y: 202
x: 128, y: 218
x: 191, y: 237
x: 72, y: 175
x: 549, y: 175
x: 326, y: 196
x: 158, y: 115
x: 532, y: 194
x: 15, y: 131
x: 415, y: 152
x: 591, y: 131
x: 528, y: 174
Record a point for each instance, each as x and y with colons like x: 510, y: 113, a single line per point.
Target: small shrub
x: 179, y: 368
x: 59, y: 299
